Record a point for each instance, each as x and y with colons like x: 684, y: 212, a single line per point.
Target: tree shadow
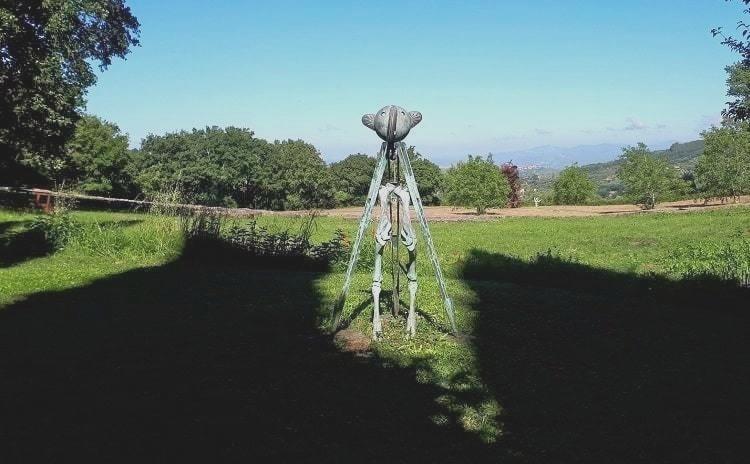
x: 8, y: 225
x: 17, y: 247
x: 595, y: 366
x: 208, y: 358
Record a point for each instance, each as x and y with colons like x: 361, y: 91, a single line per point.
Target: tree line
x: 218, y: 167
x: 231, y: 167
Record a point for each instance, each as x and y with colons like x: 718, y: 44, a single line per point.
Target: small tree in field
x: 723, y: 170
x: 572, y: 186
x: 645, y: 176
x: 477, y: 183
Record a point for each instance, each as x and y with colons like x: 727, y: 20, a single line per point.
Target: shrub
x: 55, y: 230
x: 208, y: 232
x: 573, y: 186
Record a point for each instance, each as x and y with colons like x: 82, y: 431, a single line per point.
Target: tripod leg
x: 411, y: 183
x: 363, y: 223
x: 409, y: 239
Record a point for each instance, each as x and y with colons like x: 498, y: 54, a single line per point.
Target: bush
x: 55, y: 230
x: 208, y: 233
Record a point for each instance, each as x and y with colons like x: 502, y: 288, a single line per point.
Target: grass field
x: 580, y: 344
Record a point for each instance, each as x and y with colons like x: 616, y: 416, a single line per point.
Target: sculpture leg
x: 382, y: 236
x: 409, y: 239
x: 411, y: 275
x: 377, y: 278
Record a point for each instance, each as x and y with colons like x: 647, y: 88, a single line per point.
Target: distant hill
x: 549, y: 156
x: 684, y: 155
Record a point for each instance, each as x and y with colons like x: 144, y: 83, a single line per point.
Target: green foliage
x: 726, y: 261
x: 573, y: 186
x: 298, y: 177
x: 46, y: 58
x: 429, y: 177
x: 209, y: 165
x: 96, y: 159
x: 683, y: 155
x: 724, y: 168
x: 739, y: 73
x: 477, y: 183
x: 351, y: 177
x: 738, y: 87
x: 56, y: 229
x: 646, y: 177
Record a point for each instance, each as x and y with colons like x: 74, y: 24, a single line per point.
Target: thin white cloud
x: 707, y: 121
x: 330, y: 128
x: 634, y: 124
x: 539, y: 131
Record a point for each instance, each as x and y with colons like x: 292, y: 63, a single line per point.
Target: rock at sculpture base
x: 352, y: 341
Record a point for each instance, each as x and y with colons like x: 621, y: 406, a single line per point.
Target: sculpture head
x: 392, y: 123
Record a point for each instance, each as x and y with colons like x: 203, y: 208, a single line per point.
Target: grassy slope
x: 555, y: 340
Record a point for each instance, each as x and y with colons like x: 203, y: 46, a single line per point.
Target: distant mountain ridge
x: 683, y: 155
x: 549, y: 156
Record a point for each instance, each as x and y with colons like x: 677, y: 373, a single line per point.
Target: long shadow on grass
x: 595, y: 366
x: 207, y: 359
x: 19, y: 246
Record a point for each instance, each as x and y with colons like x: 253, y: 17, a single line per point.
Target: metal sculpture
x: 392, y: 124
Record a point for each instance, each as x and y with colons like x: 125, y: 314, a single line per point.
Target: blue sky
x: 487, y: 76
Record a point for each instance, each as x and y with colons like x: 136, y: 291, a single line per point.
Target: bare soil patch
x: 450, y: 213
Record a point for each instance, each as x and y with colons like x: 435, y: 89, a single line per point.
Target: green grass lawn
x: 579, y: 344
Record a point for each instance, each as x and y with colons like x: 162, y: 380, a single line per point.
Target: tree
x: 738, y: 87
x: 645, y: 176
x: 97, y: 157
x: 723, y: 170
x: 47, y: 49
x: 211, y: 166
x: 298, y: 177
x: 351, y: 178
x: 428, y: 175
x: 572, y: 186
x: 477, y: 183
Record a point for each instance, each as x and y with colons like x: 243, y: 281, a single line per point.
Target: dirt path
x: 449, y: 213
x: 435, y: 213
